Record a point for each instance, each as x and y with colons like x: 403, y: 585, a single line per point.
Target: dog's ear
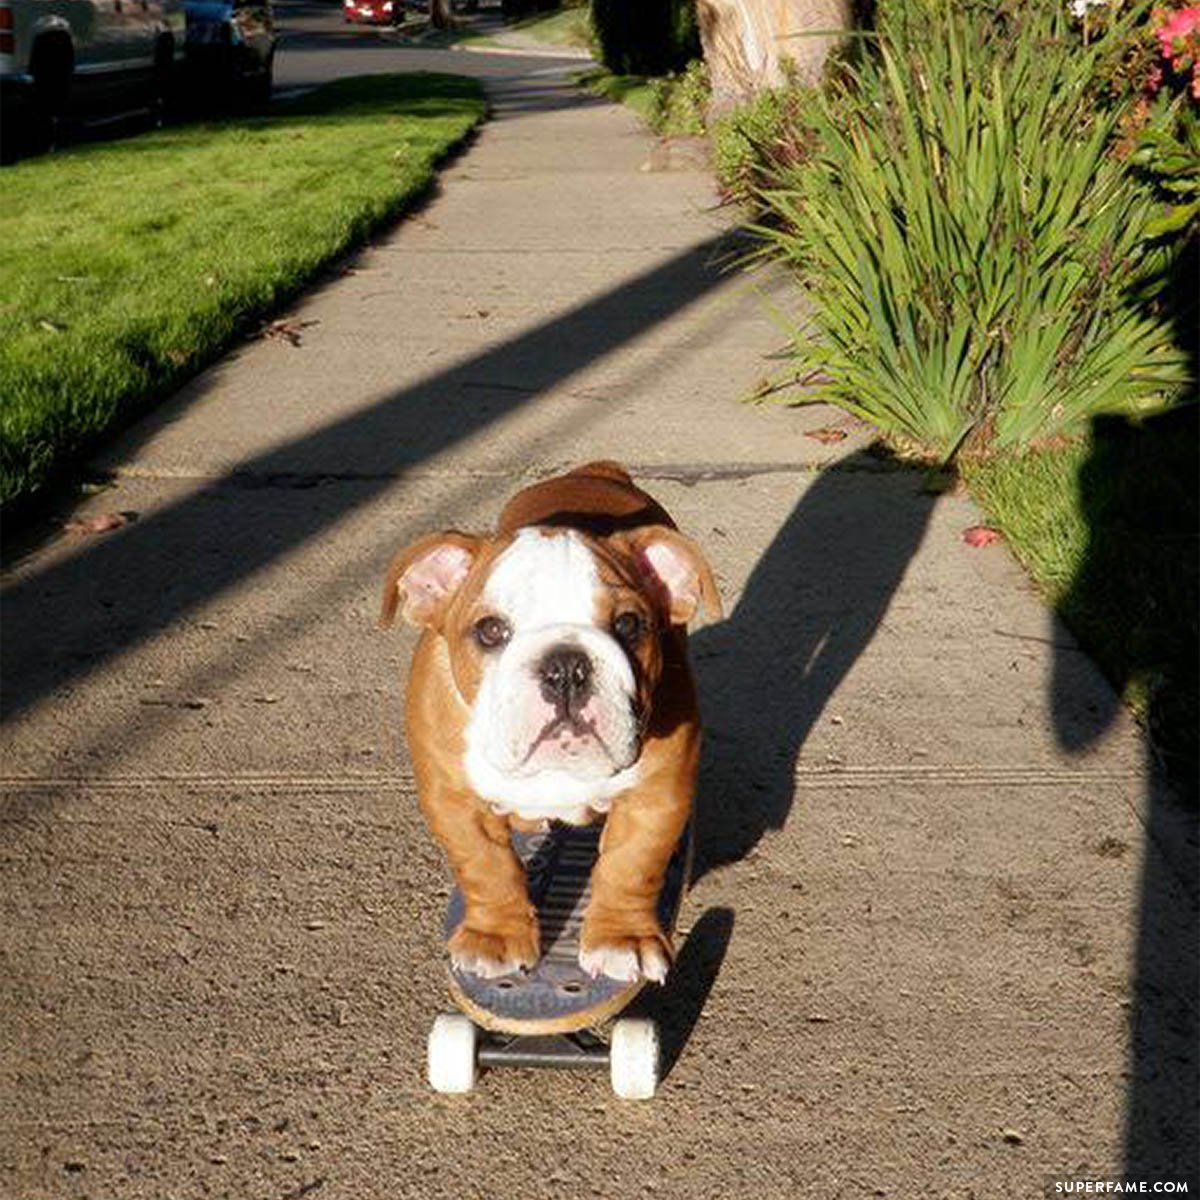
x: 422, y: 579
x: 674, y: 565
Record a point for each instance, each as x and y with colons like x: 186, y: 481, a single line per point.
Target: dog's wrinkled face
x: 555, y: 645
x: 568, y: 647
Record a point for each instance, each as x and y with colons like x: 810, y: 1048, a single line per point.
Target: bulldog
x: 551, y: 683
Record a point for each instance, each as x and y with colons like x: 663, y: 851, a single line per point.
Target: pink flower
x: 1174, y: 32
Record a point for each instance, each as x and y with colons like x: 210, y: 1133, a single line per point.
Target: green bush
x: 753, y: 143
x: 976, y: 262
x: 646, y: 37
x: 1166, y: 154
x: 680, y: 100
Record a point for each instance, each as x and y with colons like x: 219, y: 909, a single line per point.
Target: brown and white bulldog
x: 551, y: 683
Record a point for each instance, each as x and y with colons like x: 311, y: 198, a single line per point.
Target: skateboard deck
x: 558, y: 996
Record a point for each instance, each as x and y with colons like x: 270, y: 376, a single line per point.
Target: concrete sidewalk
x: 928, y: 913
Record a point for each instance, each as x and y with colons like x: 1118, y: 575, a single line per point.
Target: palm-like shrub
x: 976, y: 262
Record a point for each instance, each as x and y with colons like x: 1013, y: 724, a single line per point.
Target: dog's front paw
x: 494, y: 953
x: 625, y: 950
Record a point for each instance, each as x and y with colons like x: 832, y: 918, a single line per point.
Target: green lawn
x: 1108, y: 530
x: 634, y: 91
x: 567, y: 27
x: 671, y: 105
x: 128, y: 265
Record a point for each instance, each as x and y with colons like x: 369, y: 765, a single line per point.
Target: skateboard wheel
x: 634, y: 1058
x: 452, y: 1063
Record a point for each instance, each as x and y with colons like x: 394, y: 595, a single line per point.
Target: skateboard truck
x: 580, y: 1049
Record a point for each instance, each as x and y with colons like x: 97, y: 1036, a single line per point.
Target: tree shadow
x: 809, y: 608
x: 120, y: 591
x: 1134, y: 603
x: 812, y: 604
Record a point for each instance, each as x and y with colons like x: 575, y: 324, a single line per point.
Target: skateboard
x: 548, y: 1017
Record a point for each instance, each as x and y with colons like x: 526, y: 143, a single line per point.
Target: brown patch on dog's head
x: 677, y: 572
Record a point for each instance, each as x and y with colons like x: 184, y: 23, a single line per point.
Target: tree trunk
x: 439, y: 14
x: 747, y: 42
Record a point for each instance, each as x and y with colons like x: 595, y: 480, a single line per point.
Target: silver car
x: 80, y: 58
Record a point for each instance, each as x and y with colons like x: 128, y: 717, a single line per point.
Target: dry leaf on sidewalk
x: 99, y: 524
x: 981, y: 535
x: 285, y: 331
x: 826, y: 435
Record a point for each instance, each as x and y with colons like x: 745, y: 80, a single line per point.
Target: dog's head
x: 555, y: 642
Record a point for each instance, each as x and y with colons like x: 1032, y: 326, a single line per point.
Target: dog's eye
x: 491, y: 632
x: 628, y: 626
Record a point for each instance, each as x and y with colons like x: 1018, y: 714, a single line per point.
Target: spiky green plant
x: 975, y: 261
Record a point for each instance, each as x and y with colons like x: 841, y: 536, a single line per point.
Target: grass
x: 567, y: 27
x: 129, y: 265
x: 423, y: 34
x: 671, y: 105
x: 1108, y: 529
x: 634, y: 91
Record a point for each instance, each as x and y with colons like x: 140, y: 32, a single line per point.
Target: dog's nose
x: 566, y: 675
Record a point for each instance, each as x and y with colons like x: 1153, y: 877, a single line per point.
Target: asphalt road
x: 316, y: 46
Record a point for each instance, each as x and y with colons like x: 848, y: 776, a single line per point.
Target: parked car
x: 373, y: 12
x: 65, y: 59
x: 230, y: 49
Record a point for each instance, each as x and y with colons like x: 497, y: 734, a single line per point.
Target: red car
x: 373, y: 12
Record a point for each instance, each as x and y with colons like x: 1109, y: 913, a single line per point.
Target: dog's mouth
x: 568, y: 736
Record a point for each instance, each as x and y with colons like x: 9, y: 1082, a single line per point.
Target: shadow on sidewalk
x: 679, y: 1005
x: 812, y: 604
x: 1134, y: 603
x: 63, y: 622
